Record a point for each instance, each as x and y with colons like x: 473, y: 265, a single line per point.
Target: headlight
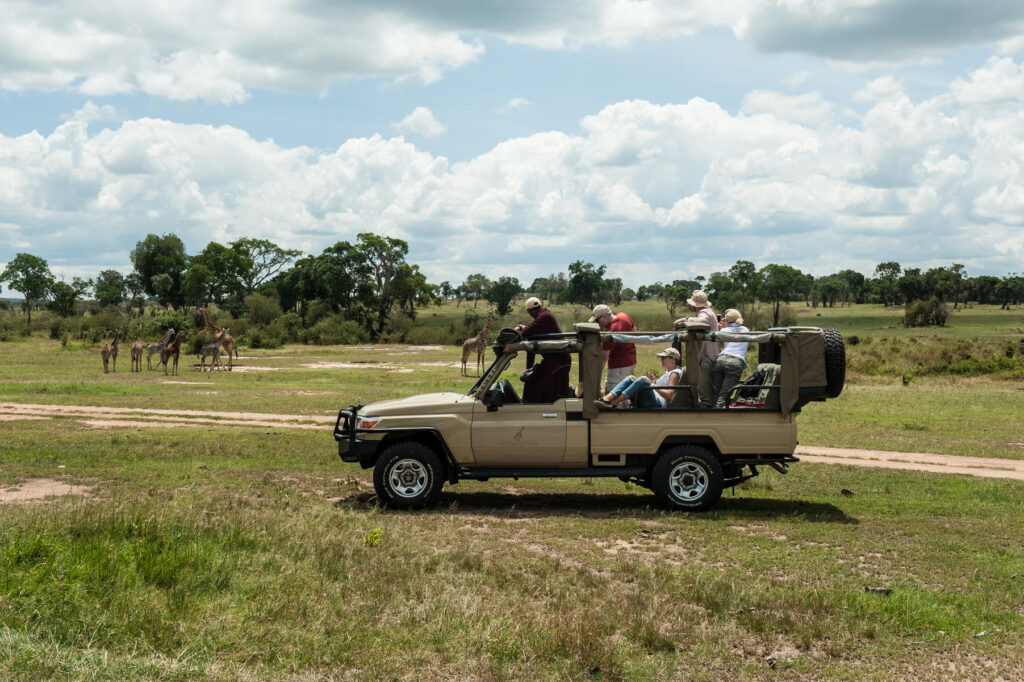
x: 367, y: 422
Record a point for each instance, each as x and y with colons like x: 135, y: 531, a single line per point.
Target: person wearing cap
x: 731, y: 362
x: 549, y: 379
x: 707, y: 351
x: 631, y: 388
x: 620, y: 358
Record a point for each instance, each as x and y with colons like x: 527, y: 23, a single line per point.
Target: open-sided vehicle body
x: 685, y: 453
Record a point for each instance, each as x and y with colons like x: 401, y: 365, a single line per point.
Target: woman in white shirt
x: 631, y: 388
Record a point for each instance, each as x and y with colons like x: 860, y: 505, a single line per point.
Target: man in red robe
x: 549, y: 379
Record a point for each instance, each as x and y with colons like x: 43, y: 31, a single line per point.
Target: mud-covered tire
x: 687, y: 477
x: 835, y: 362
x: 408, y: 475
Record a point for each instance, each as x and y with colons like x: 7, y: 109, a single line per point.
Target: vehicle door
x: 516, y: 434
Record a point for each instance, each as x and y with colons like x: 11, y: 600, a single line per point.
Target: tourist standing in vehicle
x: 632, y: 388
x: 620, y: 358
x: 548, y: 380
x: 707, y: 351
x: 731, y: 362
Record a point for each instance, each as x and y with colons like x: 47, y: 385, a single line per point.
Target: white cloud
x: 639, y: 187
x: 514, y: 104
x: 797, y: 78
x: 93, y: 113
x: 420, y: 122
x: 219, y: 52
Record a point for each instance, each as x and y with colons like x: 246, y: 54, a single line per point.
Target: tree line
x: 365, y: 283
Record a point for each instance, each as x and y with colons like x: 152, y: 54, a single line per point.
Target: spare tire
x: 835, y: 362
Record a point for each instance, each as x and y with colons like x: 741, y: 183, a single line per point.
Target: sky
x: 665, y: 140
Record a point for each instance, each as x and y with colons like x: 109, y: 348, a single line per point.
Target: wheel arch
x: 432, y: 438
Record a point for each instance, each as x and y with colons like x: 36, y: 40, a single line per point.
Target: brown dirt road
x: 126, y: 417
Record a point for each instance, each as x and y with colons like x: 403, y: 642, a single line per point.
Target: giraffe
x: 113, y: 349
x: 156, y: 348
x: 478, y: 343
x: 215, y: 333
x: 212, y: 348
x: 105, y: 351
x: 172, y: 350
x: 137, y: 350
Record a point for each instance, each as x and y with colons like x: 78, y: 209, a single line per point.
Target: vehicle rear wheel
x: 687, y: 477
x: 835, y: 362
x: 408, y: 475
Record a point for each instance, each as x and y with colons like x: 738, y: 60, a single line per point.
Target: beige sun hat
x: 600, y: 311
x: 532, y: 302
x: 733, y: 315
x: 699, y: 300
x: 670, y: 353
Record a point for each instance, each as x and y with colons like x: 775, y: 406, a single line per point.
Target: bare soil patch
x: 986, y: 467
x: 39, y: 489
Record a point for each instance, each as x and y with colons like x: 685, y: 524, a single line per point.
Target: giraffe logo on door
x: 518, y: 438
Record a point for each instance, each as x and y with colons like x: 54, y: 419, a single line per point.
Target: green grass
x: 228, y: 552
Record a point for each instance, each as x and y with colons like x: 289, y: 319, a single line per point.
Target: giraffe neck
x: 210, y: 326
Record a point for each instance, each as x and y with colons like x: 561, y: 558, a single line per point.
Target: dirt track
x: 124, y: 417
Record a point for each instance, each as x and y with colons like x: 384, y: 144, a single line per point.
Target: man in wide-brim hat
x: 707, y: 351
x: 548, y: 379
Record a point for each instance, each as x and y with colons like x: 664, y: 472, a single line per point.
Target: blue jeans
x: 631, y: 389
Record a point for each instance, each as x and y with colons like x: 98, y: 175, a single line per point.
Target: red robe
x: 549, y: 380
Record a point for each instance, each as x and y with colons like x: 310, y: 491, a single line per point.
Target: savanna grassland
x: 218, y: 551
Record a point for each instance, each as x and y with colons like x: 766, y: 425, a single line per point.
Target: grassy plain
x: 226, y: 552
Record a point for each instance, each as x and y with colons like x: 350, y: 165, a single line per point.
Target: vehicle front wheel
x: 687, y: 477
x: 408, y: 476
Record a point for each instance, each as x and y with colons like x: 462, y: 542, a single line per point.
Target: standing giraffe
x: 113, y: 349
x: 172, y: 350
x: 157, y: 348
x: 479, y: 344
x: 105, y: 350
x: 137, y: 350
x: 215, y: 333
x: 214, y: 350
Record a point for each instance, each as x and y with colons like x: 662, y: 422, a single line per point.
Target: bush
x: 926, y: 313
x: 293, y: 327
x: 397, y: 329
x: 760, y: 316
x: 262, y: 310
x: 336, y: 330
x: 270, y: 336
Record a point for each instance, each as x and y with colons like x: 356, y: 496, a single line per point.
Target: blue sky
x: 662, y: 139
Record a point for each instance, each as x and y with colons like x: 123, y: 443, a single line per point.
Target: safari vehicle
x: 685, y: 454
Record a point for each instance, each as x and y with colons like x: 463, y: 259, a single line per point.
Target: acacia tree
x: 779, y: 283
x: 62, y: 298
x: 475, y: 286
x: 30, y: 275
x: 503, y: 292
x: 266, y: 259
x: 155, y: 256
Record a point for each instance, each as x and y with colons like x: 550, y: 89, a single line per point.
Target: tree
x: 228, y: 270
x: 910, y: 285
x: 778, y: 283
x: 162, y: 285
x: 611, y: 291
x: 475, y: 286
x: 674, y: 297
x: 503, y: 292
x: 109, y: 288
x: 30, y: 275
x: 63, y: 297
x: 886, y: 276
x: 585, y: 283
x: 265, y: 260
x: 392, y: 280
x: 134, y: 289
x: 745, y: 282
x: 154, y: 256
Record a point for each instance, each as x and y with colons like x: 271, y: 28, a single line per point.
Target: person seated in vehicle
x: 548, y: 380
x: 731, y: 362
x: 632, y: 388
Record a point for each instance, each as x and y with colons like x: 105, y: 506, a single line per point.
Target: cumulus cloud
x: 93, y: 113
x: 219, y: 52
x: 420, y: 122
x: 656, y: 190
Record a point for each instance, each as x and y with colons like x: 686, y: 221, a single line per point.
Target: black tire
x: 408, y: 475
x: 687, y: 477
x: 835, y: 362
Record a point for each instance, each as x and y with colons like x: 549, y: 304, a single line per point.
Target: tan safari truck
x: 684, y: 453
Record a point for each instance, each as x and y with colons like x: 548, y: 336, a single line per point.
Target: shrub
x: 336, y: 330
x: 926, y: 313
x: 397, y: 329
x: 760, y: 316
x: 269, y: 336
x: 262, y: 310
x: 292, y: 325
